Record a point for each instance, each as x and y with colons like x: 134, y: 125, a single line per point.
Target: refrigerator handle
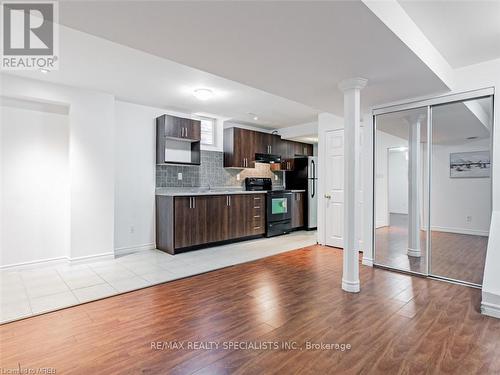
x: 313, y: 188
x: 313, y: 167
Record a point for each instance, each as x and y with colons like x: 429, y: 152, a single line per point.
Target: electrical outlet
x: 468, y: 219
x: 276, y: 177
x: 179, y: 176
x: 238, y: 177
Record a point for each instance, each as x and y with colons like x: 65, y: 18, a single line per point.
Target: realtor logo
x: 30, y: 35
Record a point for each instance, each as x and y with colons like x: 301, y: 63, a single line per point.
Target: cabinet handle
x: 229, y: 199
x: 190, y: 202
x: 256, y: 207
x: 194, y: 202
x: 256, y: 216
x: 256, y: 227
x: 257, y: 199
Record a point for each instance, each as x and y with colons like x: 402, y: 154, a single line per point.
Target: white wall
x: 135, y: 176
x: 35, y: 193
x: 398, y: 181
x: 453, y: 199
x: 91, y: 160
x: 469, y: 78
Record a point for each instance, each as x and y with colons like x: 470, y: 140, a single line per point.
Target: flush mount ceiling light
x: 44, y: 71
x: 253, y: 115
x: 203, y: 94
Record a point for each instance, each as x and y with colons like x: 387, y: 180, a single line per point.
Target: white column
x: 351, y: 88
x: 414, y: 187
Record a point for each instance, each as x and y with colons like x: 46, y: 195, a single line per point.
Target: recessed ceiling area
x: 464, y: 32
x: 297, y: 50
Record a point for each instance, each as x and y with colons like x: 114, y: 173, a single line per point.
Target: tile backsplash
x: 211, y: 173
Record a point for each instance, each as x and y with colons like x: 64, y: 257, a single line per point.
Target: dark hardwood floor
x: 398, y: 324
x: 454, y: 256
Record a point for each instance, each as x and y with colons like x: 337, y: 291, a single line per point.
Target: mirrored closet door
x: 400, y: 190
x: 460, y: 189
x: 432, y: 187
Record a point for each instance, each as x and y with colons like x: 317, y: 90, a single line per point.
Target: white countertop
x: 183, y: 192
x: 194, y: 191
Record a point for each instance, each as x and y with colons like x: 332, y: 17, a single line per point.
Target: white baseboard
x: 472, y: 232
x: 367, y: 261
x: 35, y: 264
x: 134, y: 249
x: 490, y: 304
x: 490, y: 309
x: 57, y: 261
x: 92, y: 258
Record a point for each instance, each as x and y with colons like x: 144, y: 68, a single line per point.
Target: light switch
x: 179, y: 176
x: 238, y: 177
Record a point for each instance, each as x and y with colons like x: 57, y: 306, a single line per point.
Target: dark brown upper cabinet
x: 241, y: 145
x: 179, y: 128
x: 239, y: 148
x: 177, y: 140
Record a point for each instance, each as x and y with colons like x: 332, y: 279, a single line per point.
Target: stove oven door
x: 279, y: 206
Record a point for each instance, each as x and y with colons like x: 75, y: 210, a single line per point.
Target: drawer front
x: 259, y: 214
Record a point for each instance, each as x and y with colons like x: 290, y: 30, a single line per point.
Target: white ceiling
x: 131, y: 75
x: 297, y: 50
x: 464, y: 32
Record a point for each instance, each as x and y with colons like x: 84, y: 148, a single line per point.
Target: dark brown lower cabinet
x: 184, y: 222
x: 298, y: 210
x: 191, y: 224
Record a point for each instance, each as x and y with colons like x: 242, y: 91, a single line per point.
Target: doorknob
x: 328, y: 196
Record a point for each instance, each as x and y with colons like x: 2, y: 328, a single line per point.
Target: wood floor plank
x: 398, y: 324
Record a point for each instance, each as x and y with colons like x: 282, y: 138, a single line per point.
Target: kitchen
x: 277, y: 196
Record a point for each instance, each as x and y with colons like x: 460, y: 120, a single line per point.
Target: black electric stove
x: 278, y: 205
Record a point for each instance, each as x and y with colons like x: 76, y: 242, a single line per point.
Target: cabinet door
x: 238, y: 216
x: 303, y: 149
x: 275, y: 145
x: 218, y: 218
x: 183, y: 217
x: 199, y: 221
x: 192, y: 129
x: 191, y: 224
x: 298, y: 210
x: 287, y: 165
x: 244, y: 147
x: 261, y: 143
x: 173, y: 126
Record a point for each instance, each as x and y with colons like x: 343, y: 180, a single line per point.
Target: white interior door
x: 334, y: 188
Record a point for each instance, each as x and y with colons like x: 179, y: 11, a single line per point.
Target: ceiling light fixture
x: 44, y: 71
x: 253, y: 115
x: 203, y: 94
